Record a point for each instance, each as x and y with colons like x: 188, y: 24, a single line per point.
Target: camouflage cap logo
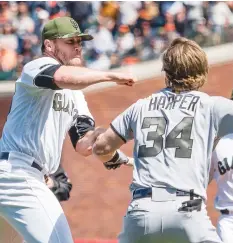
x: 74, y: 23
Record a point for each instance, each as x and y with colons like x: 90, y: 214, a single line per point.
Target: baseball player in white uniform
x: 59, y: 184
x: 173, y: 131
x: 46, y: 105
x: 221, y: 172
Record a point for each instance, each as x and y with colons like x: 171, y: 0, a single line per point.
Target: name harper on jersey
x: 187, y: 102
x: 224, y: 166
x: 62, y: 103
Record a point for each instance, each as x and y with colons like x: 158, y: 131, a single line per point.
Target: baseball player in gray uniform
x: 46, y: 105
x: 174, y: 132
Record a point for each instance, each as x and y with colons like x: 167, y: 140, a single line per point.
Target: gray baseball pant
x: 156, y: 219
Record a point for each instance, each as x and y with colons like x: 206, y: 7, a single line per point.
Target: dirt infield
x: 99, y: 197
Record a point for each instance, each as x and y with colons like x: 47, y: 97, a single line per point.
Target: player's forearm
x: 69, y: 77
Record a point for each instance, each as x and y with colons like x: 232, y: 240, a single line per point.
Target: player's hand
x: 124, y: 79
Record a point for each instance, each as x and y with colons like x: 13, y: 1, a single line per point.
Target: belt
x: 187, y: 206
x: 225, y: 211
x: 5, y: 156
x: 147, y: 192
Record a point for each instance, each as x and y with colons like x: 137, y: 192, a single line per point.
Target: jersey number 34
x: 178, y: 138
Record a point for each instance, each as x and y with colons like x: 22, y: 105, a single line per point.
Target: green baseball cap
x: 63, y: 27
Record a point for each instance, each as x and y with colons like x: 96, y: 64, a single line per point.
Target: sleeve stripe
x: 114, y: 129
x: 34, y: 79
x: 44, y: 79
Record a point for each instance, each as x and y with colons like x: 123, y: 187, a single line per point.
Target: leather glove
x: 118, y: 159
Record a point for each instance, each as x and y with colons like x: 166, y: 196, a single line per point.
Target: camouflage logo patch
x: 74, y: 24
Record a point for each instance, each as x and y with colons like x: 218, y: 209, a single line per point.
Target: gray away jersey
x: 173, y: 137
x: 40, y: 118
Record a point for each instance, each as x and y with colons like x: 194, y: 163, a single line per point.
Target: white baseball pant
x: 29, y: 205
x: 225, y: 228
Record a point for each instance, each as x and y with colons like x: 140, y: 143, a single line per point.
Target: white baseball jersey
x: 40, y: 118
x: 173, y: 137
x: 222, y: 168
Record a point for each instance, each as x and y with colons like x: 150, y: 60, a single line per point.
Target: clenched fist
x: 124, y: 79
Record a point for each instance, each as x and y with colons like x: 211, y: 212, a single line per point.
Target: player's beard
x: 65, y: 60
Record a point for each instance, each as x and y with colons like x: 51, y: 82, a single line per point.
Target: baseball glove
x: 118, y: 159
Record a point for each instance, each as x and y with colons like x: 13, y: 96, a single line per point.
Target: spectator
x: 206, y: 11
x: 221, y: 14
x: 170, y: 27
x: 81, y: 12
x: 160, y: 42
x: 147, y: 42
x: 8, y: 37
x: 129, y: 12
x: 194, y: 13
x: 23, y: 22
x: 125, y: 41
x: 56, y: 9
x: 220, y: 17
x: 5, y: 13
x: 165, y: 6
x: 180, y: 23
x: 40, y: 16
x: 110, y: 9
x: 103, y: 39
x: 27, y: 54
x: 201, y: 34
x: 141, y: 30
x: 8, y: 62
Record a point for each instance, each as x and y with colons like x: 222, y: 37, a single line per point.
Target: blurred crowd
x: 124, y: 32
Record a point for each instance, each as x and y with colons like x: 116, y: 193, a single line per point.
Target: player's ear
x: 49, y: 45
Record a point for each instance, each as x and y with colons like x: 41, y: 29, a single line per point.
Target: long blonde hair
x: 185, y: 65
